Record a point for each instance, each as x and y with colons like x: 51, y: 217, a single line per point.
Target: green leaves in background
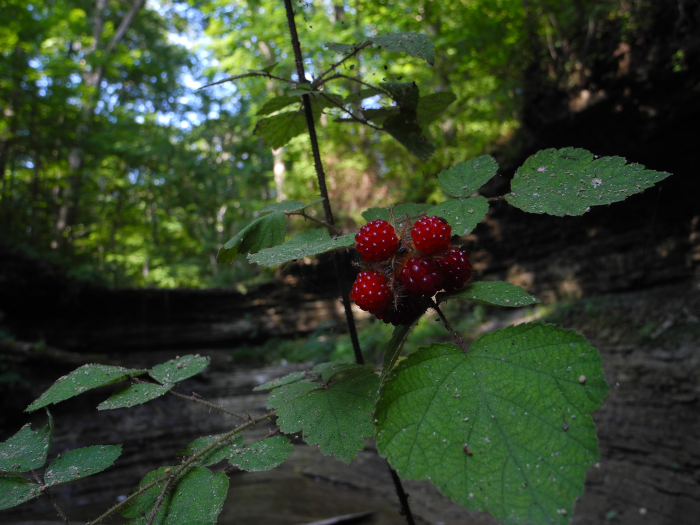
x: 179, y: 369
x: 281, y: 381
x: 133, y: 395
x: 410, y: 135
x: 433, y: 105
x: 15, y: 490
x: 494, y: 293
x: 276, y: 104
x: 569, y: 181
x: 27, y: 449
x: 80, y: 463
x: 462, y: 214
x: 305, y: 244
x: 506, y: 429
x: 289, y: 206
x: 81, y: 380
x: 335, y: 417
x: 412, y: 44
x: 268, y: 230
x: 279, y: 129
x: 464, y: 178
x: 197, y: 496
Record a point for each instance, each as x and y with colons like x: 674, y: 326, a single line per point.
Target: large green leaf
x: 494, y: 293
x: 268, y: 230
x: 569, y: 181
x: 413, y: 44
x: 225, y: 450
x: 81, y: 380
x: 464, y: 178
x: 410, y: 135
x: 263, y: 455
x: 133, y: 395
x: 506, y: 429
x: 335, y: 417
x: 305, y: 244
x: 15, y: 490
x: 277, y: 103
x: 289, y: 206
x: 462, y: 214
x: 80, y: 463
x: 179, y: 369
x: 433, y: 105
x: 27, y: 449
x: 279, y: 129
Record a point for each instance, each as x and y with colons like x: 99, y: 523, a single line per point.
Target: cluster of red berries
x: 402, y: 269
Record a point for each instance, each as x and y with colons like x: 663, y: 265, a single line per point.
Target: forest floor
x: 648, y: 427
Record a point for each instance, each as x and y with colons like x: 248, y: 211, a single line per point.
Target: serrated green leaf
x: 569, y: 181
x: 432, y: 106
x: 226, y: 450
x: 464, y: 178
x: 196, y: 497
x: 494, y: 293
x: 179, y: 369
x: 410, y: 136
x: 289, y: 206
x: 15, y: 490
x: 27, y: 449
x: 413, y: 44
x: 279, y: 129
x: 328, y: 371
x: 405, y: 94
x: 263, y: 455
x: 80, y: 463
x: 281, y: 381
x: 398, y: 213
x: 276, y: 104
x: 506, y: 429
x: 462, y: 214
x: 133, y: 395
x: 305, y: 244
x: 339, y: 48
x: 81, y: 380
x: 336, y: 418
x: 268, y: 230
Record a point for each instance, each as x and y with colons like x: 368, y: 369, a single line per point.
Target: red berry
x: 455, y: 269
x: 421, y: 277
x: 370, y: 292
x: 376, y: 241
x: 403, y: 311
x: 431, y: 234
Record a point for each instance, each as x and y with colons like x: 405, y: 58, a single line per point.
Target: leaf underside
x: 305, y: 244
x: 493, y: 293
x: 268, y: 230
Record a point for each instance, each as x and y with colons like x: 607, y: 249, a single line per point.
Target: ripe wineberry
x: 455, y: 269
x: 376, y: 241
x: 370, y: 292
x: 421, y: 277
x: 431, y: 234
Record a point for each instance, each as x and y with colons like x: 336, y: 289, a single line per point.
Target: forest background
x: 116, y: 167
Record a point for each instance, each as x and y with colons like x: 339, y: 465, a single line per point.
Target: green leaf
x: 15, y: 490
x: 398, y: 213
x: 432, y: 106
x: 305, y: 244
x: 277, y: 103
x: 328, y: 371
x: 263, y: 455
x: 81, y: 380
x: 27, y: 449
x: 462, y: 214
x: 289, y: 206
x: 195, y: 497
x: 281, y: 381
x: 179, y: 369
x: 362, y: 95
x: 226, y: 450
x: 264, y: 231
x: 569, y: 181
x: 336, y: 418
x: 464, y: 178
x: 495, y: 293
x: 412, y: 44
x: 80, y: 463
x: 378, y: 116
x: 340, y: 48
x: 410, y: 136
x: 506, y: 429
x: 133, y: 395
x: 266, y: 69
x: 279, y: 129
x: 405, y: 94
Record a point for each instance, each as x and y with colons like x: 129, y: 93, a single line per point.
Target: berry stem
x: 455, y: 335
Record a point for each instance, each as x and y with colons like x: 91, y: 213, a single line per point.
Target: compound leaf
x: 263, y: 455
x: 305, y: 244
x: 336, y: 418
x: 281, y: 381
x: 179, y: 369
x: 464, y: 178
x: 432, y: 106
x: 133, y: 395
x: 15, y: 490
x: 289, y: 206
x: 27, y: 449
x: 462, y: 214
x: 225, y: 450
x: 494, y: 293
x: 506, y: 429
x: 81, y: 380
x: 80, y: 463
x: 413, y: 44
x: 268, y: 230
x: 569, y: 181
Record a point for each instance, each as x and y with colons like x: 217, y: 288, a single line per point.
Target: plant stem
x: 455, y: 335
x: 403, y: 497
x: 45, y: 490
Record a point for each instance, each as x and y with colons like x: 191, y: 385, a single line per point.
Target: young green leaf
x: 569, y: 181
x: 433, y: 105
x: 179, y: 369
x: 289, y: 206
x: 276, y: 104
x: 133, y: 395
x: 81, y: 380
x: 268, y: 230
x: 494, y: 293
x: 27, y: 449
x: 413, y: 44
x: 462, y: 214
x: 464, y: 178
x: 15, y: 490
x: 80, y: 463
x: 226, y: 450
x: 263, y: 455
x: 305, y: 244
x: 336, y: 418
x: 506, y: 429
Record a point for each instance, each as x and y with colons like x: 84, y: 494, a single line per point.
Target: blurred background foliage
x: 114, y: 165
